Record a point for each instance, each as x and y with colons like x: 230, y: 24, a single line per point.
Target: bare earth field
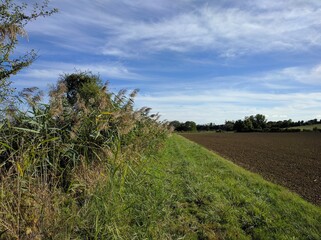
x: 289, y: 159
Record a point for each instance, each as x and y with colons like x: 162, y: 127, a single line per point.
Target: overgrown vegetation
x: 203, y: 196
x: 87, y: 165
x: 52, y: 156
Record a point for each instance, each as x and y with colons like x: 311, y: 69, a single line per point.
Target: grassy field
x: 308, y: 127
x: 183, y: 192
x: 187, y: 192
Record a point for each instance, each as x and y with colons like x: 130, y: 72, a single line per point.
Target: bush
x: 85, y: 135
x: 307, y: 130
x: 292, y: 130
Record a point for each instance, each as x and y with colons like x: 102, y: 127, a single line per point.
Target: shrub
x: 52, y: 147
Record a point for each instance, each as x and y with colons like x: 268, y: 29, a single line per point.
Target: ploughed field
x: 289, y: 159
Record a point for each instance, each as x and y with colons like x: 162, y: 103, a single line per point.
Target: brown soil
x: 289, y: 159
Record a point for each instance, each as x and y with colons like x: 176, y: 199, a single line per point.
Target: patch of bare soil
x: 289, y: 159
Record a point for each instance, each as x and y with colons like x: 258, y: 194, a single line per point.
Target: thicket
x: 52, y: 156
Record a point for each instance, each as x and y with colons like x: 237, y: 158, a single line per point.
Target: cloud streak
x: 45, y: 73
x: 229, y: 32
x: 230, y: 105
x: 192, y: 59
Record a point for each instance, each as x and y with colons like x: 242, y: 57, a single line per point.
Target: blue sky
x: 206, y: 61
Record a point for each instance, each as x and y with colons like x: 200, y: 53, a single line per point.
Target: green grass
x: 307, y: 127
x: 183, y: 192
x: 188, y: 192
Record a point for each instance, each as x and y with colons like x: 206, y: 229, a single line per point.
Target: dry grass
x: 54, y: 156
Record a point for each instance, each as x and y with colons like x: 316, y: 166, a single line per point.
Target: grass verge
x: 307, y: 127
x: 183, y: 192
x: 191, y: 193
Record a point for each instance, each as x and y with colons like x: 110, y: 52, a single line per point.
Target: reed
x: 53, y: 156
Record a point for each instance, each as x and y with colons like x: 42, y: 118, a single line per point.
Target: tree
x: 229, y: 125
x: 190, y: 126
x: 239, y: 126
x: 248, y: 124
x: 83, y: 85
x: 260, y: 121
x: 13, y: 19
x: 175, y: 124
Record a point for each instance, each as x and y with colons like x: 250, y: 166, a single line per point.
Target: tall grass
x: 53, y: 156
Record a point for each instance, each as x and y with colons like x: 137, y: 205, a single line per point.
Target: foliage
x: 253, y: 123
x: 188, y: 126
x: 229, y: 125
x: 13, y: 19
x: 190, y: 193
x: 85, y: 135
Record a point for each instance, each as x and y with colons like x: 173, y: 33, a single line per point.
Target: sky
x: 193, y: 60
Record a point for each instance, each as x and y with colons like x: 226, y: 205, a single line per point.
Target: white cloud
x: 279, y: 94
x: 304, y: 75
x: 229, y: 31
x: 41, y: 74
x: 232, y: 105
x: 136, y: 30
x: 125, y: 27
x: 281, y: 79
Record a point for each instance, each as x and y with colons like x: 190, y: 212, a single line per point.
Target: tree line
x: 253, y: 123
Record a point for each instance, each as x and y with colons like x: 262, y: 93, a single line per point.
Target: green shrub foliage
x: 82, y: 122
x: 83, y: 134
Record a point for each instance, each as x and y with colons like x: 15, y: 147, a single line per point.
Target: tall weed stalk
x: 59, y: 152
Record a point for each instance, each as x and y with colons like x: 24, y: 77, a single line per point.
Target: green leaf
x: 26, y: 130
x: 48, y: 140
x: 6, y: 145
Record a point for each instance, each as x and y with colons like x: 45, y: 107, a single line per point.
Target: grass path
x: 199, y: 195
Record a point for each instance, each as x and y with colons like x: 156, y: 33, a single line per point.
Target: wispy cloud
x: 230, y: 105
x: 261, y: 26
x: 304, y: 75
x: 279, y: 94
x: 42, y: 74
x: 199, y: 60
x: 228, y: 31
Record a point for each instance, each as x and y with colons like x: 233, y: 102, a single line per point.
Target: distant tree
x: 176, y: 125
x: 259, y: 121
x: 285, y: 123
x: 239, y: 126
x: 229, y: 125
x: 253, y: 123
x: 248, y: 124
x: 190, y: 126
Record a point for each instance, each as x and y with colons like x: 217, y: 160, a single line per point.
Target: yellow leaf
x: 20, y: 169
x: 28, y: 231
x: 107, y: 113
